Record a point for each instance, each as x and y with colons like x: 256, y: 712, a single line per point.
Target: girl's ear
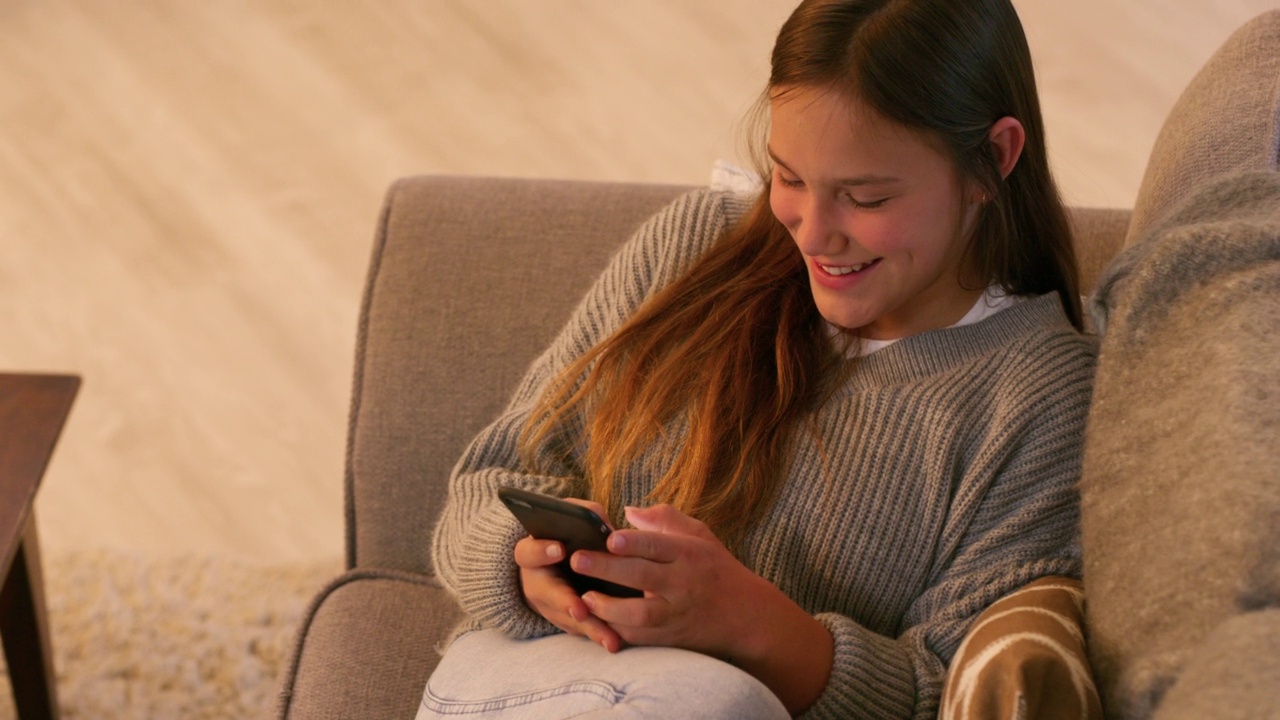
x: 1007, y: 138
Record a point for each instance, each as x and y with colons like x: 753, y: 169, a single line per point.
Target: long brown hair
x: 720, y: 368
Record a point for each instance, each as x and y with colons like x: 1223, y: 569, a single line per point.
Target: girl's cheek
x: 880, y: 234
x: 783, y: 205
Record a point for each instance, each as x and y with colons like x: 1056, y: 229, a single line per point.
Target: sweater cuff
x: 487, y: 583
x: 871, y: 675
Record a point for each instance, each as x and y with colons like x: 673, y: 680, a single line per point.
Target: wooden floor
x: 188, y: 191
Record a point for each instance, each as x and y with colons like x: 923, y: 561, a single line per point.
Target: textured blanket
x: 1181, y: 486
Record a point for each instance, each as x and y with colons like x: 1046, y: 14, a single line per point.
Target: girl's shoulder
x: 1040, y: 340
x: 697, y: 216
x: 1025, y: 343
x: 1047, y: 334
x: 675, y: 236
x: 1048, y: 362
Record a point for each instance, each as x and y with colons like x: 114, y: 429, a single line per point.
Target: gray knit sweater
x: 946, y: 478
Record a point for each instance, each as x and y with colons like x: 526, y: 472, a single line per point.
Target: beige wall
x: 188, y: 190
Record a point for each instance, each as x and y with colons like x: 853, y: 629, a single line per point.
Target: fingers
x: 634, y: 572
x: 662, y: 547
x: 667, y: 520
x: 552, y: 598
x: 599, y: 632
x: 550, y: 595
x: 630, y: 614
x: 657, y: 557
x: 531, y: 552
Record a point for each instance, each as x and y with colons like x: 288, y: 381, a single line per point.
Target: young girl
x: 839, y: 419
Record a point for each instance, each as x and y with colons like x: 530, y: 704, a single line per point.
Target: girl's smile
x: 839, y: 276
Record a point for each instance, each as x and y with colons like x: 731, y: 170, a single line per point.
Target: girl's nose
x: 815, y: 234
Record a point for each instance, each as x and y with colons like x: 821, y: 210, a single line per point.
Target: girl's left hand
x: 698, y: 596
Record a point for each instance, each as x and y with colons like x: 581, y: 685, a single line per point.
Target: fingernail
x: 590, y: 601
x: 554, y: 552
x: 580, y: 562
x: 617, y: 542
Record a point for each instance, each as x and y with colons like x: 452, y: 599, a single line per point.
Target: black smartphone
x: 577, y: 528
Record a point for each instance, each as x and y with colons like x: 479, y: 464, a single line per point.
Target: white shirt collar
x: 992, y: 301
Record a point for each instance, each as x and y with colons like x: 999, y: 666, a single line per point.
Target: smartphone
x: 577, y: 528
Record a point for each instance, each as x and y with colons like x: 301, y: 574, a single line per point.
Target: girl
x: 840, y: 418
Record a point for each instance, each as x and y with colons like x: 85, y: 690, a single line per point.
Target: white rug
x: 183, y: 638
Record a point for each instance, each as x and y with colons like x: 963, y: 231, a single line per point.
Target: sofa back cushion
x: 470, y: 279
x: 1025, y: 657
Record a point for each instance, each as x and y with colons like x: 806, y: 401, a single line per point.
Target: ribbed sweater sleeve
x: 475, y: 538
x: 1012, y: 517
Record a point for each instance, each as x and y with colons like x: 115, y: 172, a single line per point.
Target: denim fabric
x: 488, y: 675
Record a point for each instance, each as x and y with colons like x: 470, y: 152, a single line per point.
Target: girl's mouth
x: 839, y: 270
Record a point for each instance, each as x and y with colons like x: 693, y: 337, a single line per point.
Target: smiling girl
x: 839, y: 419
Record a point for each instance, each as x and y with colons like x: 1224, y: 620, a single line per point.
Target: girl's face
x: 878, y: 213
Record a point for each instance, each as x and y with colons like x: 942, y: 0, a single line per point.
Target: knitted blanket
x: 1181, y: 483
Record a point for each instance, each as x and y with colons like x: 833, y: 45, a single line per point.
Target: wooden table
x: 33, y: 409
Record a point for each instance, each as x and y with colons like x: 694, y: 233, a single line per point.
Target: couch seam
x: 1275, y: 102
x: 357, y: 389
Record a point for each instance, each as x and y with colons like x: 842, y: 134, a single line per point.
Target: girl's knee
x: 681, y: 684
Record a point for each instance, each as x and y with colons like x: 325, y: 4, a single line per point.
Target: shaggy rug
x: 181, y: 638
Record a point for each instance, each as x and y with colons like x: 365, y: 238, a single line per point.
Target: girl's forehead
x: 827, y: 121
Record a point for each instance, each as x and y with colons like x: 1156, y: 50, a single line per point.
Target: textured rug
x: 180, y: 638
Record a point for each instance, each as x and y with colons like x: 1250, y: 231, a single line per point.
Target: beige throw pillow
x: 1025, y: 658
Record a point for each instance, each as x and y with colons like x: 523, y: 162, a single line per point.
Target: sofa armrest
x: 366, y: 647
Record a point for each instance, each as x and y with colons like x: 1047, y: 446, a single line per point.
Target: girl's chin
x: 848, y: 322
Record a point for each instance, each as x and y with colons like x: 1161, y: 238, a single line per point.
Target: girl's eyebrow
x: 844, y: 182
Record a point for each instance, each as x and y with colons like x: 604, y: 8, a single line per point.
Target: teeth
x: 845, y: 269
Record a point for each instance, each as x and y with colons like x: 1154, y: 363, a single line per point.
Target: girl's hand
x: 698, y: 596
x: 551, y: 596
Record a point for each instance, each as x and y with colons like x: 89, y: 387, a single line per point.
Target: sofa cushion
x: 1226, y: 121
x: 367, y: 646
x: 1025, y: 657
x: 1099, y: 234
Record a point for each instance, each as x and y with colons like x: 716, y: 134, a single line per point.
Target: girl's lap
x: 488, y: 675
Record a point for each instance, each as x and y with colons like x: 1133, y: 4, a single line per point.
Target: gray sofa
x: 471, y: 277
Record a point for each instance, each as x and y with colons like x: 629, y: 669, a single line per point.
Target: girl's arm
x: 475, y: 539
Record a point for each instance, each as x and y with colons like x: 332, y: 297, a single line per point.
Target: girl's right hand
x: 550, y: 595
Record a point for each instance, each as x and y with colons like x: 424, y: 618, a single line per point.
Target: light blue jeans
x: 488, y: 675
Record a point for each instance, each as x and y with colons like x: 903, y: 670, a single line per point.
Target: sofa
x: 470, y: 278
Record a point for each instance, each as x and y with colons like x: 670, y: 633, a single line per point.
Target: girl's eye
x: 868, y: 205
x: 785, y: 182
